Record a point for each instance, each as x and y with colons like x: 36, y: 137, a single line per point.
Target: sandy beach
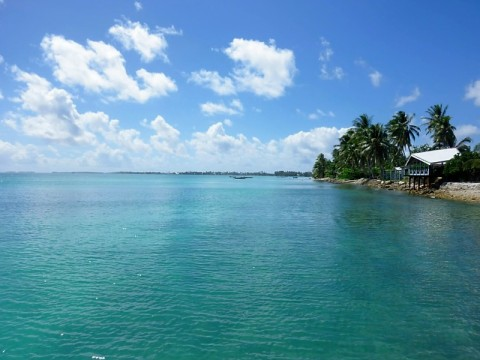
x: 467, y: 192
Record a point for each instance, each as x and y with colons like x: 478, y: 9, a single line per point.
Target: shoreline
x: 464, y: 192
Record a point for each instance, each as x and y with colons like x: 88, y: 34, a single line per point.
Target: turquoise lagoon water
x: 119, y: 266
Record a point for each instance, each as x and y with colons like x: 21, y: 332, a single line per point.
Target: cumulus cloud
x: 260, y: 68
x: 94, y: 141
x: 328, y: 72
x: 473, y: 92
x: 402, y: 100
x: 166, y: 138
x: 213, y: 80
x: 13, y: 156
x: 100, y: 68
x: 210, y: 109
x: 466, y: 130
x: 306, y: 145
x: 136, y: 36
x: 50, y: 112
x: 215, y: 149
x: 215, y: 141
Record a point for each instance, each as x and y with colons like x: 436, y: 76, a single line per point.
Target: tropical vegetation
x: 368, y: 148
x: 463, y: 167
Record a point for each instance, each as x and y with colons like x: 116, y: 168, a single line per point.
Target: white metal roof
x: 435, y: 156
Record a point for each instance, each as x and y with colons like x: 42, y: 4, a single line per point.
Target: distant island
x: 225, y: 173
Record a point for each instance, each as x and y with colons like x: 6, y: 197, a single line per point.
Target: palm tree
x: 438, y: 125
x: 462, y: 145
x: 347, y: 151
x: 361, y: 127
x: 362, y: 124
x: 402, y: 132
x: 376, y: 146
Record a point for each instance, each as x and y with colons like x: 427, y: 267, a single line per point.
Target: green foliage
x: 421, y: 148
x: 477, y: 148
x: 401, y: 131
x: 440, y: 128
x: 351, y: 174
x: 320, y: 167
x: 366, y: 149
x: 463, y: 167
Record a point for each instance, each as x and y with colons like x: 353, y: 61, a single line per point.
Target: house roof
x: 434, y: 156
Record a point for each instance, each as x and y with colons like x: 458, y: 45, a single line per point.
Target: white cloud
x: 212, y: 80
x: 262, y: 69
x: 234, y: 108
x: 99, y: 123
x: 166, y: 138
x: 136, y: 36
x: 51, y: 113
x: 94, y: 141
x: 335, y: 73
x: 402, y: 100
x: 100, y: 68
x: 326, y: 51
x: 320, y: 113
x: 217, y: 150
x: 16, y: 155
x: 105, y: 157
x: 374, y: 75
x: 1, y: 95
x: 466, y: 130
x: 138, y: 5
x: 215, y: 141
x: 473, y: 92
x: 306, y: 145
x: 328, y: 72
x: 375, y: 78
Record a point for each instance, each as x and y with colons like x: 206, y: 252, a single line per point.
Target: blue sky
x: 219, y: 85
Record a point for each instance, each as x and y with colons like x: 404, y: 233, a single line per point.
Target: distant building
x: 425, y: 166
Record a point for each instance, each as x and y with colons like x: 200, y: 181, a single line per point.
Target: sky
x: 223, y: 85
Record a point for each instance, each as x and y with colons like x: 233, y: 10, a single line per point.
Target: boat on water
x: 242, y: 177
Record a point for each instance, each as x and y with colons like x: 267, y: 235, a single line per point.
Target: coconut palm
x: 347, y: 151
x: 362, y: 124
x: 402, y: 131
x: 376, y: 146
x: 462, y: 145
x: 438, y: 125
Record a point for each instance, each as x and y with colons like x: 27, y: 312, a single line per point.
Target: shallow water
x: 202, y: 267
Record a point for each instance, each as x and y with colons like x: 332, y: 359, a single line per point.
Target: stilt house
x: 424, y: 167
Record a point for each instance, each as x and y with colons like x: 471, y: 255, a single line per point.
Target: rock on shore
x: 469, y: 192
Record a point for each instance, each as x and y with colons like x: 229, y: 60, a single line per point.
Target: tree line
x: 368, y: 148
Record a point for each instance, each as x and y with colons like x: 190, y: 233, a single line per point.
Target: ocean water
x: 123, y: 266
